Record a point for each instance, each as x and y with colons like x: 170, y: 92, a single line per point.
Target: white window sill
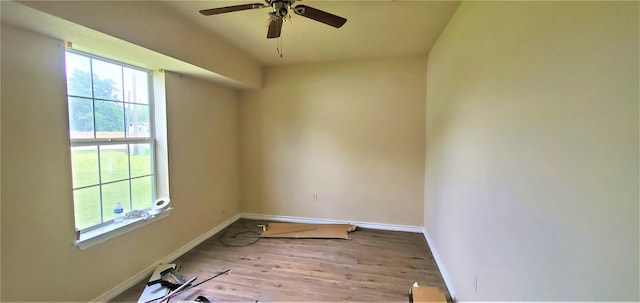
x: 96, y: 236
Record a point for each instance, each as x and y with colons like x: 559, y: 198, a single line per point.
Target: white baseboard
x: 443, y: 272
x: 381, y: 226
x: 193, y: 243
x: 144, y: 274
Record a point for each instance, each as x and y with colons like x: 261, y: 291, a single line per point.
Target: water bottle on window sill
x: 118, y: 213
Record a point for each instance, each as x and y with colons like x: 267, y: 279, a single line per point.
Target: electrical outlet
x: 315, y: 196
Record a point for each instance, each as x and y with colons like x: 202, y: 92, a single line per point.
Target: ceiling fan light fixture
x: 281, y: 9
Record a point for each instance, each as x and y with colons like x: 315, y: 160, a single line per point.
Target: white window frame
x: 98, y: 233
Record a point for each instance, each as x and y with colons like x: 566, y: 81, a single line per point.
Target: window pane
x: 109, y: 119
x: 112, y: 193
x: 84, y: 163
x: 136, y: 86
x: 138, y: 125
x: 114, y: 162
x: 107, y: 80
x: 108, y: 100
x: 78, y: 75
x: 80, y: 118
x: 140, y: 159
x: 141, y: 192
x: 86, y: 204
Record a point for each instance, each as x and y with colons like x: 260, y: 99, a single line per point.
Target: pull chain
x: 279, y: 48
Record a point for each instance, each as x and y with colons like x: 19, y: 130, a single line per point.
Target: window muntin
x: 111, y: 131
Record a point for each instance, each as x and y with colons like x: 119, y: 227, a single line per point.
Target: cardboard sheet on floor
x: 426, y: 294
x: 307, y: 231
x: 155, y: 291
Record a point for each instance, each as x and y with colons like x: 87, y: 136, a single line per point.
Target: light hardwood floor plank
x: 374, y: 266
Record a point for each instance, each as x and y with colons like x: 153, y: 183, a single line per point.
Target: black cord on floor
x: 235, y: 236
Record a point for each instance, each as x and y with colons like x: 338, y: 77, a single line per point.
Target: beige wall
x: 532, y: 151
x: 351, y: 131
x: 203, y: 135
x: 39, y: 262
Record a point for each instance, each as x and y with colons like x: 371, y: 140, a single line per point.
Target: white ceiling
x: 374, y: 29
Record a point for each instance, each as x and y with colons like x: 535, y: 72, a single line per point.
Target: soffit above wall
x: 89, y: 26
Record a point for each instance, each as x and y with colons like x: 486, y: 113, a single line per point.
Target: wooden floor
x: 375, y: 266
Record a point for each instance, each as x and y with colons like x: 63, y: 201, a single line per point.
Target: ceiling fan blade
x: 275, y: 28
x: 229, y: 9
x: 320, y: 16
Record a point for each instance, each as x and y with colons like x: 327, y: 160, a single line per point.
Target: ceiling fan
x: 279, y: 13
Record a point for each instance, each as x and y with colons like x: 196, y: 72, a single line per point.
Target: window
x: 112, y: 137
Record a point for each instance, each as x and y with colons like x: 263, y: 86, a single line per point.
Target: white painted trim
x: 443, y: 272
x: 144, y: 274
x: 193, y: 243
x: 96, y: 236
x: 120, y: 288
x: 381, y: 226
